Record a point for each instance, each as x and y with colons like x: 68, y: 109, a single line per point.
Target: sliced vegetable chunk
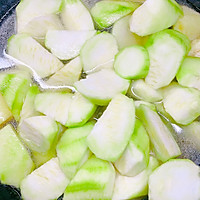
x: 189, y: 23
x: 177, y: 179
x: 160, y: 106
x: 155, y: 15
x: 68, y: 75
x: 134, y: 187
x: 15, y: 160
x: 75, y: 16
x: 94, y: 180
x: 27, y: 10
x: 166, y: 51
x: 113, y: 129
x: 182, y: 104
x: 136, y: 156
x: 161, y: 111
x: 139, y: 89
x: 123, y: 35
x: 132, y: 62
x: 99, y: 52
x: 191, y: 133
x: 195, y: 48
x: 38, y: 27
x: 66, y: 44
x: 38, y: 132
x: 166, y: 90
x: 54, y: 104
x: 80, y: 111
x: 41, y: 158
x: 105, y: 13
x: 28, y: 110
x: 30, y: 52
x: 150, y: 105
x: 46, y: 182
x: 5, y: 113
x: 82, y: 130
x: 189, y: 73
x: 14, y: 87
x: 100, y: 87
x: 72, y: 149
x: 163, y: 143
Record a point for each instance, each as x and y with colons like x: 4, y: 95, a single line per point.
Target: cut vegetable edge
x: 132, y: 62
x: 184, y: 175
x: 162, y: 140
x: 105, y: 46
x: 105, y: 13
x: 100, y: 87
x: 116, y: 125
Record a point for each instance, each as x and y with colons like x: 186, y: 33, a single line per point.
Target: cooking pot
x: 7, y: 28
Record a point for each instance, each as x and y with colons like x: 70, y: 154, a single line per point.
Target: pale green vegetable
x: 189, y: 23
x: 76, y: 137
x: 123, y: 35
x: 150, y: 105
x: 161, y: 111
x: 176, y: 179
x: 160, y: 105
x: 189, y: 73
x: 192, y: 133
x: 136, y: 156
x: 155, y: 15
x: 5, y: 112
x: 66, y: 44
x: 38, y: 27
x: 38, y: 133
x: 66, y: 108
x: 163, y: 143
x: 28, y: 110
x: 46, y: 182
x: 113, y: 130
x: 182, y: 104
x: 94, y: 180
x: 27, y: 10
x: 75, y: 16
x: 132, y: 62
x: 100, y: 87
x: 195, y: 48
x: 41, y: 158
x: 134, y: 187
x: 80, y: 111
x: 139, y: 89
x: 99, y: 52
x: 72, y: 149
x: 29, y: 51
x: 14, y: 87
x: 166, y: 51
x: 105, y: 13
x: 166, y: 90
x: 15, y: 160
x: 68, y: 75
x: 54, y: 104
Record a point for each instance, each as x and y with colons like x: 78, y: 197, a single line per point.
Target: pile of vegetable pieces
x: 131, y: 64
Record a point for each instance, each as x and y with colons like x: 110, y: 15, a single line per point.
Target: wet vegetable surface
x: 6, y: 30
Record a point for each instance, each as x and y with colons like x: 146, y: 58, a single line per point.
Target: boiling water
x: 8, y: 27
x: 188, y: 148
